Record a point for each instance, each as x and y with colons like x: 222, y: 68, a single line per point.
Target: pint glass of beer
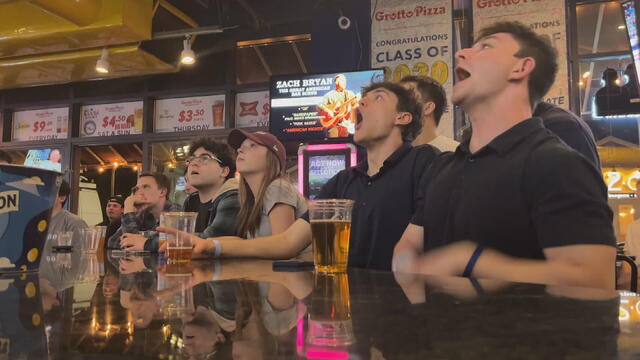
x: 180, y: 247
x: 331, y: 228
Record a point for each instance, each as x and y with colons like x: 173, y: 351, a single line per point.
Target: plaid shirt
x: 133, y: 223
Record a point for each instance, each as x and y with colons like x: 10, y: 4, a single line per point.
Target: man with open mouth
x: 385, y: 185
x: 513, y: 202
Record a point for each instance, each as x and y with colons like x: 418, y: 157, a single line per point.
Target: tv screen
x: 629, y: 10
x: 50, y: 159
x: 322, y: 168
x: 317, y: 106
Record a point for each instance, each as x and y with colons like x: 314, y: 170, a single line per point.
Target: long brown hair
x: 250, y: 205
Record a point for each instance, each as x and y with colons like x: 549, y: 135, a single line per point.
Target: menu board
x: 45, y: 124
x: 111, y: 119
x: 189, y: 114
x: 252, y: 109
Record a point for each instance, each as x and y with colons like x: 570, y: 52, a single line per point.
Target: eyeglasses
x: 203, y: 158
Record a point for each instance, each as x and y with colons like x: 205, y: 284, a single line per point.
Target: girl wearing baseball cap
x: 269, y: 203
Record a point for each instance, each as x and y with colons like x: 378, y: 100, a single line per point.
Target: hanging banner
x: 545, y: 17
x: 252, y: 109
x: 111, y: 119
x: 189, y: 114
x: 411, y: 38
x: 46, y: 124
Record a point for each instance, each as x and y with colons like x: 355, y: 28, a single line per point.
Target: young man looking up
x: 385, y: 186
x: 433, y: 100
x: 211, y: 168
x: 142, y: 210
x: 513, y: 202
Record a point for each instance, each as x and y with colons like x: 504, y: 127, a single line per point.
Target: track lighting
x: 187, y: 56
x: 102, y: 65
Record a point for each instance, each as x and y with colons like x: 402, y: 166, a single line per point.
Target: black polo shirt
x: 383, y: 205
x: 569, y: 128
x: 523, y: 192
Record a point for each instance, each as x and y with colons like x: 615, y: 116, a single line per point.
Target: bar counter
x: 107, y: 306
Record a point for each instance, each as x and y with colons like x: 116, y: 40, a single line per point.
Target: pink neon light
x: 323, y: 354
x: 326, y: 147
x: 300, y: 333
x: 301, y: 173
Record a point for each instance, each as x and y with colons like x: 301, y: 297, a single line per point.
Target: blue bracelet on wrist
x: 472, y: 261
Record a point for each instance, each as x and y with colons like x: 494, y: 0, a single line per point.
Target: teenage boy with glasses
x: 211, y: 168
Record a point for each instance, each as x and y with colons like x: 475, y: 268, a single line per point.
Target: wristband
x: 472, y: 261
x: 216, y: 271
x: 218, y: 248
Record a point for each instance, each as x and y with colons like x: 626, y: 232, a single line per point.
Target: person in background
x: 433, y: 100
x: 632, y: 84
x: 63, y: 220
x: 114, y: 210
x: 210, y: 169
x: 513, y: 202
x: 142, y: 210
x: 612, y: 98
x: 5, y: 158
x: 569, y: 128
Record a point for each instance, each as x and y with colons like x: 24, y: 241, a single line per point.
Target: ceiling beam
x: 94, y: 155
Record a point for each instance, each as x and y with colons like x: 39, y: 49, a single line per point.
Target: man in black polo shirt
x: 386, y: 185
x: 513, y: 202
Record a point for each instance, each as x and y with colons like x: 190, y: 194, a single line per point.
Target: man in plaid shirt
x: 142, y: 209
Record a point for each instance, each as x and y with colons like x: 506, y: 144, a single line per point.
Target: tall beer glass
x: 331, y: 228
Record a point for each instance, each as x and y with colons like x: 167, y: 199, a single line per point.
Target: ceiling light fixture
x: 187, y: 56
x: 102, y: 65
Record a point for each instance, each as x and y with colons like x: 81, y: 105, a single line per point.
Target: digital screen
x: 319, y: 106
x: 632, y: 30
x: 50, y: 159
x: 321, y: 169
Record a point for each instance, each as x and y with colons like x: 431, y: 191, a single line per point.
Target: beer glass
x: 180, y: 247
x: 330, y: 321
x: 331, y: 228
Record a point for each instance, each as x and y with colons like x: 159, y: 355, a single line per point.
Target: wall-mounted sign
x: 621, y: 180
x: 111, y: 119
x: 46, y: 124
x: 252, y: 109
x: 189, y: 114
x: 411, y: 37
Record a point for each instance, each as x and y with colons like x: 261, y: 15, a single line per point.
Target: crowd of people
x: 521, y: 198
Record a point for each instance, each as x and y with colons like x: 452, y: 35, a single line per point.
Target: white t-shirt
x: 279, y: 192
x: 443, y: 143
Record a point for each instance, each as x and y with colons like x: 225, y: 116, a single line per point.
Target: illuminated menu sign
x: 45, y: 124
x: 111, y: 119
x: 189, y: 114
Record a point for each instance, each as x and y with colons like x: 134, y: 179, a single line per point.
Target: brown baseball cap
x: 236, y: 137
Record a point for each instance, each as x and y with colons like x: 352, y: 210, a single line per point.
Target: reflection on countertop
x: 139, y: 307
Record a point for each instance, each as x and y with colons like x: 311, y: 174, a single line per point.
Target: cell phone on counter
x: 292, y: 265
x: 124, y: 253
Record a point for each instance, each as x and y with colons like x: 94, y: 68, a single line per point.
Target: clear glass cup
x: 179, y: 248
x: 91, y: 239
x: 331, y: 227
